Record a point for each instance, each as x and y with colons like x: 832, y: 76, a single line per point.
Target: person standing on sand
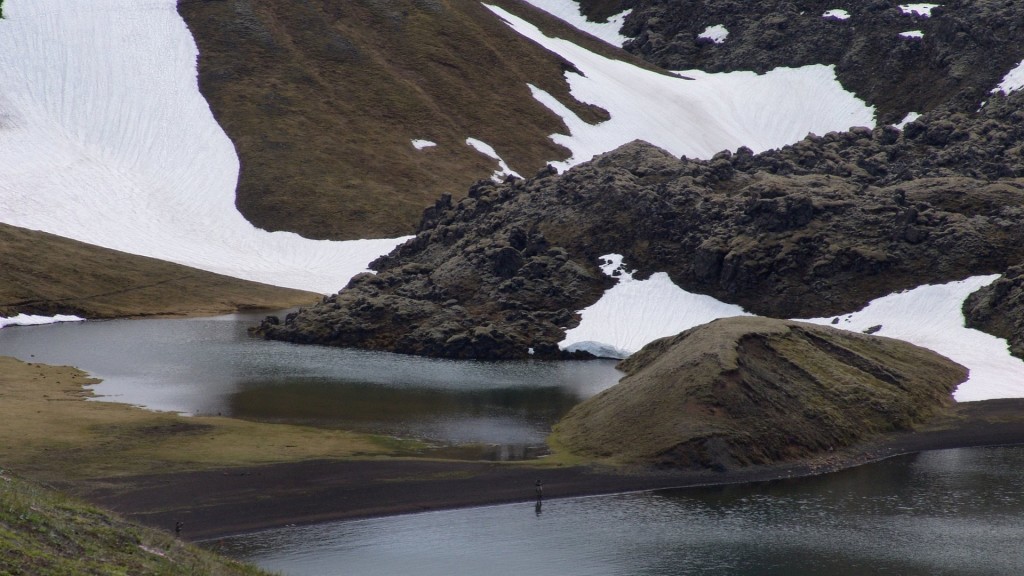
x: 539, y: 489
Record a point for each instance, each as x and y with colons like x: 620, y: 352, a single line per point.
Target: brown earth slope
x: 323, y: 99
x: 45, y: 274
x: 753, y: 391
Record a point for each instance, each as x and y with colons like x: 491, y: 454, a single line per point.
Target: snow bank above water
x: 635, y: 312
x: 105, y: 138
x: 30, y: 320
x: 695, y: 117
x: 931, y: 316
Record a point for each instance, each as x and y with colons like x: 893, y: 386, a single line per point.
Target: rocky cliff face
x: 749, y: 391
x: 965, y: 49
x: 814, y: 229
x: 999, y: 309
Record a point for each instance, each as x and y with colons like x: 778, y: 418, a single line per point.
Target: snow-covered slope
x: 105, y: 138
x: 931, y: 316
x: 635, y: 312
x: 698, y: 115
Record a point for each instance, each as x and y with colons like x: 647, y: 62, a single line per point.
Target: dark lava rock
x: 999, y: 309
x: 752, y: 391
x: 815, y: 229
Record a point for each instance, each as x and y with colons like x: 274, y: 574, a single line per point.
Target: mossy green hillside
x: 44, y: 533
x: 758, y: 391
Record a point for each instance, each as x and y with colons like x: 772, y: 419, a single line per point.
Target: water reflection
x: 956, y: 512
x: 211, y: 366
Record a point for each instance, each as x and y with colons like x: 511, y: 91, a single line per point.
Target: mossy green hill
x: 755, y: 391
x: 44, y: 533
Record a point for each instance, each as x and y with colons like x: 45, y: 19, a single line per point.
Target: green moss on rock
x: 753, y: 391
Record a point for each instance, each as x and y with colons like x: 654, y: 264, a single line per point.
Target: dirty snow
x: 913, y: 34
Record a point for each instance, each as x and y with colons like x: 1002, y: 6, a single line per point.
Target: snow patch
x: 486, y: 149
x: 1013, y: 80
x: 634, y: 312
x: 931, y: 316
x: 716, y: 34
x: 912, y: 34
x: 569, y: 12
x: 836, y: 14
x: 910, y: 117
x: 31, y: 320
x: 924, y: 10
x: 421, y: 144
x: 108, y: 141
x: 696, y: 116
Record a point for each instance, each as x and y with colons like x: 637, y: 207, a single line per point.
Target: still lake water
x: 211, y: 366
x: 946, y: 512
x: 955, y: 512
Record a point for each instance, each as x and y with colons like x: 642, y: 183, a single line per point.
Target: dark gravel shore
x: 219, y: 503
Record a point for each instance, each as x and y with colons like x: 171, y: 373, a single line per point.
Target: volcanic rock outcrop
x: 814, y: 229
x: 999, y: 309
x: 900, y: 60
x: 751, y: 391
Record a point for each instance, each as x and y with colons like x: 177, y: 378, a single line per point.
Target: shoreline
x: 215, y: 504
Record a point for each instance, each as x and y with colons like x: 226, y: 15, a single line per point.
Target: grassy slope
x: 48, y: 433
x: 750, y: 390
x: 322, y: 100
x: 46, y: 274
x: 45, y: 533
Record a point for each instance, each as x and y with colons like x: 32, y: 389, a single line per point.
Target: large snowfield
x: 105, y: 138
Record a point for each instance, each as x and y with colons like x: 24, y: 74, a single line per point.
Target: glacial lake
x: 949, y: 512
x: 944, y: 512
x: 209, y: 366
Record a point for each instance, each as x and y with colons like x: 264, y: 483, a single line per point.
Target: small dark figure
x: 177, y: 528
x: 539, y: 489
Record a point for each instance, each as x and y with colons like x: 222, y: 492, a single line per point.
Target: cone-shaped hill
x: 750, y: 390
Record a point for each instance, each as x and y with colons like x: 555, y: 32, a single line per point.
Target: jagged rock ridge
x: 814, y: 229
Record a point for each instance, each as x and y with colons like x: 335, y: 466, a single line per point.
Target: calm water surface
x: 211, y: 366
x: 956, y: 512
x: 948, y: 512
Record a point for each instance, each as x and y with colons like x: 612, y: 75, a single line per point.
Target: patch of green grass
x: 43, y: 532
